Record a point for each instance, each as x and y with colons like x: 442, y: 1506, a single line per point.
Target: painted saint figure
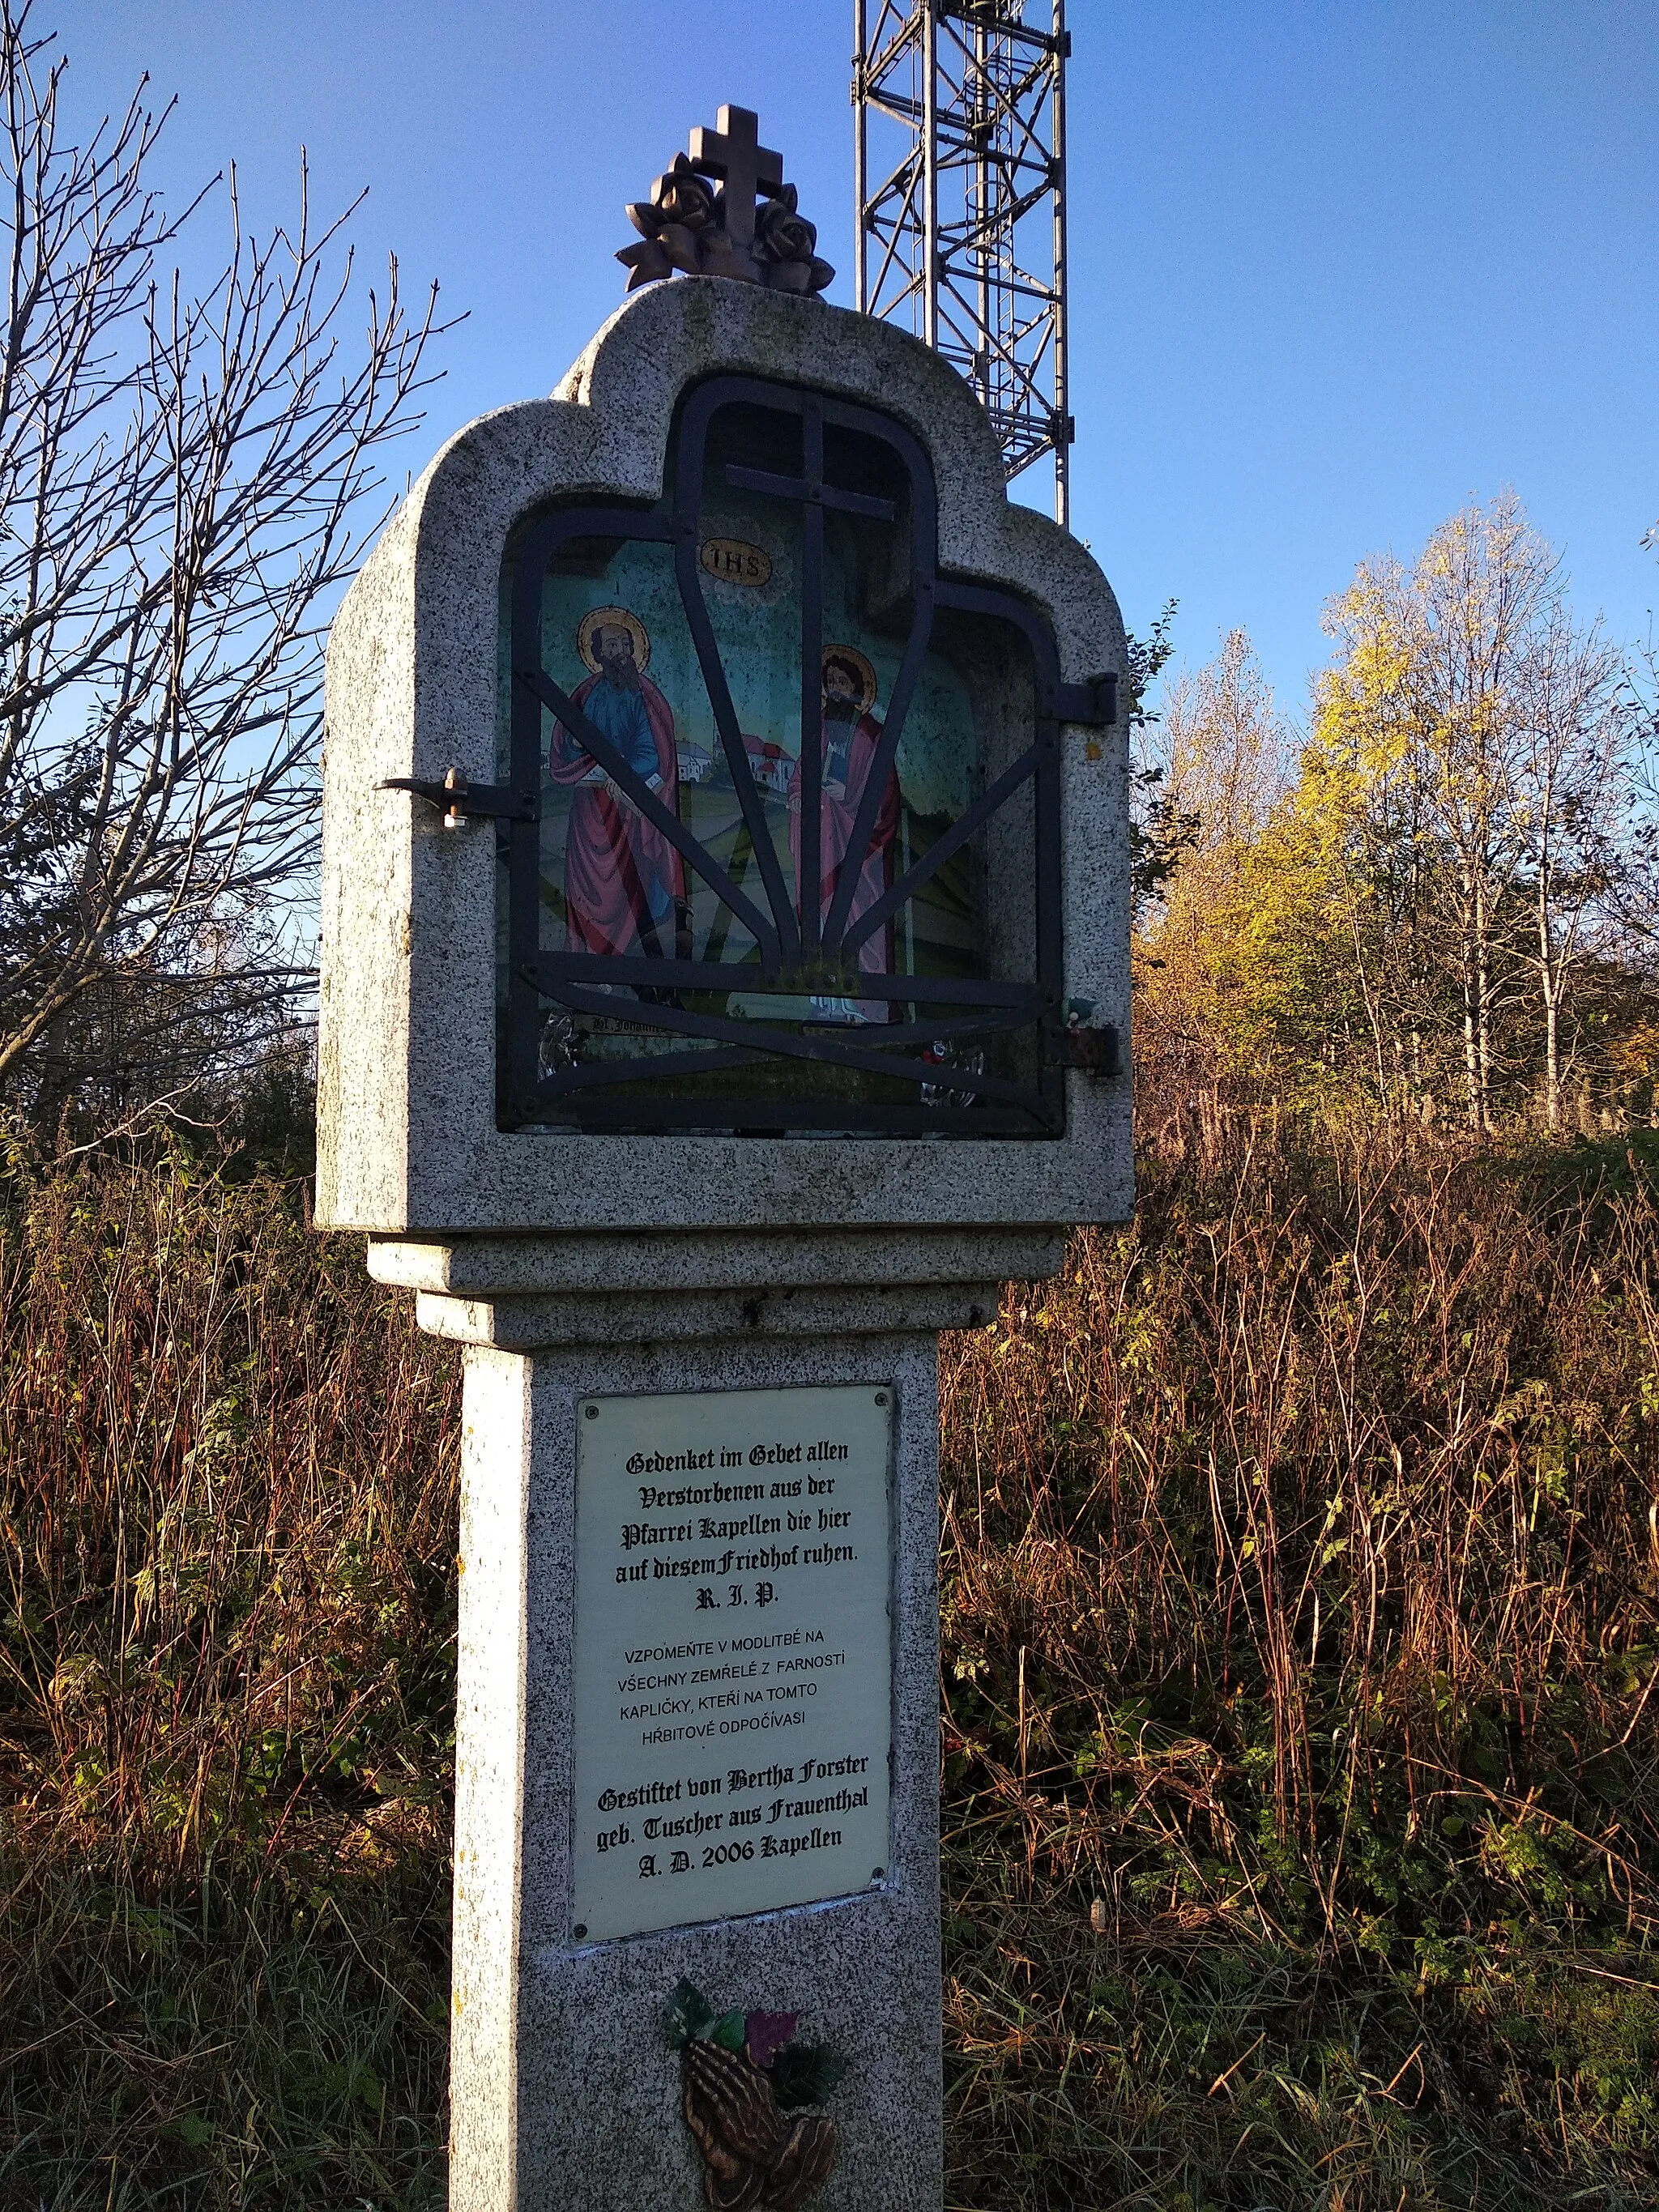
x: 849, y: 736
x: 624, y: 881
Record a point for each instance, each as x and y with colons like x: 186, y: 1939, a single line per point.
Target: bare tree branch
x: 185, y: 482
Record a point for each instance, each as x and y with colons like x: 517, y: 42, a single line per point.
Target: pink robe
x: 614, y: 859
x: 836, y: 819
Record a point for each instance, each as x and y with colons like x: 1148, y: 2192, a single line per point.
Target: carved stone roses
x: 684, y: 225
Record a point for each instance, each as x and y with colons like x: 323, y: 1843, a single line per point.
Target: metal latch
x: 1095, y: 701
x: 460, y: 800
x: 1093, y: 1047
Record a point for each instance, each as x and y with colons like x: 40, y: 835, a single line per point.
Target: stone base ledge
x: 611, y: 1318
x: 649, y: 1263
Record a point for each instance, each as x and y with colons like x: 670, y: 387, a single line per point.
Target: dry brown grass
x: 1300, y: 1623
x: 226, y: 1508
x: 1303, y: 1808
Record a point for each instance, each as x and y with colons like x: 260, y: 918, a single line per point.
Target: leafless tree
x: 1569, y: 788
x: 186, y: 481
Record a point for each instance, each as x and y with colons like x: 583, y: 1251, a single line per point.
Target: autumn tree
x: 1475, y: 729
x: 1570, y: 789
x: 1419, y: 896
x: 1242, y: 972
x: 1217, y: 754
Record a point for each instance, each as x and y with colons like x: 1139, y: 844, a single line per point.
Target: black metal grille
x: 958, y: 1055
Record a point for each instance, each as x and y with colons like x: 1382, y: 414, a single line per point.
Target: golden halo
x: 612, y: 618
x: 860, y: 661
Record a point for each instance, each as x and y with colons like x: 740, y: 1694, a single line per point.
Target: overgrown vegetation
x: 1299, y: 1639
x: 1300, y: 1630
x: 227, y: 1520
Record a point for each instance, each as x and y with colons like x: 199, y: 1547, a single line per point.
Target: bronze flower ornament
x: 678, y: 214
x: 751, y: 229
x: 786, y: 242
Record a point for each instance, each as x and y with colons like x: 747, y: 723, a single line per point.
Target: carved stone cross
x: 733, y: 152
x: 685, y: 225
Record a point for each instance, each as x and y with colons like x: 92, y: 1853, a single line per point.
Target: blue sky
x: 1336, y: 267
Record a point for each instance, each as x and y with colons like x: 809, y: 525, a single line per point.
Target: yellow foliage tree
x: 1245, y: 953
x: 1408, y: 904
x: 1472, y: 729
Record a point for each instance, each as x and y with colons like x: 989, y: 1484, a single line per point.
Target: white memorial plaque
x: 732, y: 1653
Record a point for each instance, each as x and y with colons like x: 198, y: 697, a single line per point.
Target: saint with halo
x: 624, y: 881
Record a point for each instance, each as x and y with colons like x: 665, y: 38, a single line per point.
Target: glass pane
x: 769, y: 1007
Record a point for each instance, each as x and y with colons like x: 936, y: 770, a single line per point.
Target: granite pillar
x: 563, y: 2082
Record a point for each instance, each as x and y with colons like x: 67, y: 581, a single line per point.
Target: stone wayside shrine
x: 725, y: 984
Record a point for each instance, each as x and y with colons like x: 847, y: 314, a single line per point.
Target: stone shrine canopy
x: 686, y: 226
x: 777, y: 869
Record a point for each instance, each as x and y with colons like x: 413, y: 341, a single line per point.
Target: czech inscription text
x: 733, y: 1654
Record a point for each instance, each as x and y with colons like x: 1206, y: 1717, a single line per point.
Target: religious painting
x: 624, y: 882
x: 797, y: 832
x: 850, y: 740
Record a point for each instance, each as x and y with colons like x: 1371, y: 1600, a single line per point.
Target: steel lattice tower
x: 964, y: 233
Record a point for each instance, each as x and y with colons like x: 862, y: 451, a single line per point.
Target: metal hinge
x: 461, y: 801
x: 1081, y: 1043
x: 1095, y: 701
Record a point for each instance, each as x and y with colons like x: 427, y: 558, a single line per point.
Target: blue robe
x: 620, y: 715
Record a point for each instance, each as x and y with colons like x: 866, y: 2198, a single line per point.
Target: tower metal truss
x: 964, y: 233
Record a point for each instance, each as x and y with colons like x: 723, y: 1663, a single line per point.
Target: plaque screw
x: 591, y: 1412
x: 876, y: 1873
x: 881, y: 1397
x: 580, y: 1930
